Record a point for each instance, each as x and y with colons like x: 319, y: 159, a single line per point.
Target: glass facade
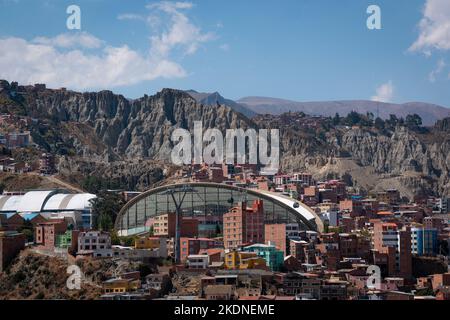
x: 200, y: 200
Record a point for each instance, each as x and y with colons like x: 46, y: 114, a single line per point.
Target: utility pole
x: 178, y: 217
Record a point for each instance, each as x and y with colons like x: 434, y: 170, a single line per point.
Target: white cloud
x: 82, y: 61
x: 439, y: 68
x: 434, y: 27
x: 130, y: 16
x: 71, y: 40
x: 29, y: 63
x: 179, y: 33
x: 170, y: 7
x: 384, y: 93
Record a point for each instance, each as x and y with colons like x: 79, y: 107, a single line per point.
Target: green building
x: 274, y: 258
x: 64, y: 240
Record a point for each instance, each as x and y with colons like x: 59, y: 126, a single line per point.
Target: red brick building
x: 11, y: 243
x: 244, y: 225
x: 189, y: 246
x: 354, y: 207
x: 276, y: 233
x: 165, y: 226
x: 303, y: 251
x: 388, y: 235
x: 353, y: 246
x: 46, y: 232
x: 440, y: 280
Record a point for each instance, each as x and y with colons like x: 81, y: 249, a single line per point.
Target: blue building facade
x: 424, y: 242
x: 274, y: 258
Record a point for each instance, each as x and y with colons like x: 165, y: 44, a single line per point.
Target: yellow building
x: 244, y: 260
x: 121, y: 285
x: 148, y: 243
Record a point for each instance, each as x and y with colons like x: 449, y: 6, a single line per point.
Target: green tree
x: 353, y: 118
x: 393, y: 121
x: 336, y: 119
x: 413, y: 121
x: 379, y: 123
x: 105, y: 209
x: 27, y: 230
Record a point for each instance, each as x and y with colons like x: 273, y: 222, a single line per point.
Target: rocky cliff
x: 141, y: 128
x: 413, y: 161
x: 108, y: 135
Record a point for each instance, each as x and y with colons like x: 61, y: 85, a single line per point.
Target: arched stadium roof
x: 69, y: 202
x: 34, y: 201
x: 48, y: 200
x: 211, y: 198
x: 9, y: 203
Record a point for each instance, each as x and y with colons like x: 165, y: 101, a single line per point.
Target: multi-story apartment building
x: 389, y: 239
x: 244, y: 260
x: 47, y: 164
x: 243, y: 225
x: 192, y: 246
x: 354, y: 246
x: 424, y: 242
x: 276, y: 234
x: 302, y: 284
x: 303, y: 178
x: 293, y: 231
x: 165, y: 226
x: 303, y: 251
x: 46, y: 233
x: 97, y: 243
x: 274, y: 258
x: 391, y: 196
x: 197, y: 261
x: 352, y: 206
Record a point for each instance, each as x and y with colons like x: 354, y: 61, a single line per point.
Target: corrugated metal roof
x: 55, y: 202
x: 38, y: 201
x: 34, y: 201
x: 11, y: 203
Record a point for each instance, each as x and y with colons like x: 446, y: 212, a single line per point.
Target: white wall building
x: 131, y: 253
x: 197, y: 261
x: 96, y: 242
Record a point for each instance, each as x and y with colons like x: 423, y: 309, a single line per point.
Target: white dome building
x: 76, y: 207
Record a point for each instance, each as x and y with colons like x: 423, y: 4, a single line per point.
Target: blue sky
x: 305, y: 50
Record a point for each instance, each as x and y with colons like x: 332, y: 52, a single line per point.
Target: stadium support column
x: 178, y: 218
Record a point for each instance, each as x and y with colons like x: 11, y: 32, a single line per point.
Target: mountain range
x: 251, y: 106
x: 105, y: 135
x: 212, y: 99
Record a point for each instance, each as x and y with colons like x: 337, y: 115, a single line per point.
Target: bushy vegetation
x: 94, y: 184
x: 105, y: 209
x: 412, y: 121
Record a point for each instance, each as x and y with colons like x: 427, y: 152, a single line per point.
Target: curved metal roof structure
x: 58, y: 202
x: 34, y: 201
x: 45, y: 201
x: 211, y: 199
x: 9, y: 203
